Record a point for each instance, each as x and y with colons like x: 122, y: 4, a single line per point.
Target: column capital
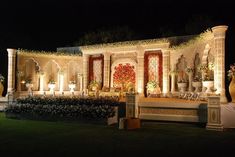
x: 140, y: 51
x: 85, y: 56
x: 165, y: 52
x: 11, y: 52
x: 219, y: 31
x: 41, y: 73
x: 107, y: 55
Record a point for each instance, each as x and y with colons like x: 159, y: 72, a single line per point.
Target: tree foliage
x: 198, y: 23
x: 103, y: 35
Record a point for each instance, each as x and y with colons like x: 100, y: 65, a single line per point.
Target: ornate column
x: 85, y: 70
x: 41, y: 83
x: 140, y: 71
x: 219, y: 48
x: 166, y: 67
x: 106, y: 69
x: 11, y: 71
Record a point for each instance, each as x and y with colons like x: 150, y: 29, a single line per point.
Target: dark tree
x: 198, y: 23
x: 103, y: 35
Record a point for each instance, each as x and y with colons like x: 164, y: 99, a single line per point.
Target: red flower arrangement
x: 123, y: 76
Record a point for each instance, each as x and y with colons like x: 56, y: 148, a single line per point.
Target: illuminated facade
x: 124, y: 65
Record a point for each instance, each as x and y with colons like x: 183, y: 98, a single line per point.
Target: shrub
x: 77, y: 108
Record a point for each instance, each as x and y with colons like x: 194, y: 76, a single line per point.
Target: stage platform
x: 228, y: 115
x: 172, y: 109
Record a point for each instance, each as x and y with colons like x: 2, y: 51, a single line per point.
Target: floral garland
x: 207, y: 35
x: 46, y: 53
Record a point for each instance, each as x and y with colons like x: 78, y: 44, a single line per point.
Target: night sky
x: 47, y: 24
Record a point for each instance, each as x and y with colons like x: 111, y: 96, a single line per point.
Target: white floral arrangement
x: 151, y: 85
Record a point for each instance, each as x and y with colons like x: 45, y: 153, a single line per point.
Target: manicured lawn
x: 41, y: 138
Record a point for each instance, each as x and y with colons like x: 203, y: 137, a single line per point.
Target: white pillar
x: 41, y: 83
x: 173, y: 82
x: 166, y: 67
x: 219, y: 46
x: 190, y: 77
x: 85, y: 71
x: 61, y: 75
x: 11, y: 71
x: 140, y: 71
x: 80, y: 78
x: 106, y: 69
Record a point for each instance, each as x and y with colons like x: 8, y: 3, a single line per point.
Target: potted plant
x: 182, y: 85
x: 2, y: 79
x: 28, y: 83
x: 207, y: 76
x: 51, y: 85
x: 231, y: 75
x: 93, y: 85
x: 72, y: 85
x: 197, y: 83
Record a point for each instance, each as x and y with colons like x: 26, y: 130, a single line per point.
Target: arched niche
x: 73, y: 71
x: 181, y: 66
x: 51, y: 69
x: 30, y: 70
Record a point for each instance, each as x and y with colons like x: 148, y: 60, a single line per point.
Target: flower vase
x: 1, y: 89
x: 208, y: 85
x: 182, y: 86
x: 232, y: 89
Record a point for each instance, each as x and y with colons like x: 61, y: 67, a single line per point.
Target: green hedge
x: 76, y: 108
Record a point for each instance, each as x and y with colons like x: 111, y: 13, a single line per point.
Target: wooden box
x: 132, y: 123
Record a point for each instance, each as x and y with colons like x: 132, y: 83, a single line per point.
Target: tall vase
x: 1, y: 89
x: 232, y: 89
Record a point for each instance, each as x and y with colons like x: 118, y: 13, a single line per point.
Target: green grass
x: 42, y: 138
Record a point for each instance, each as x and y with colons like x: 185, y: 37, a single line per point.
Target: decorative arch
x: 31, y: 68
x: 73, y: 71
x: 52, y: 69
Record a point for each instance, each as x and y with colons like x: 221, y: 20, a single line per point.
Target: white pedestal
x: 214, y: 121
